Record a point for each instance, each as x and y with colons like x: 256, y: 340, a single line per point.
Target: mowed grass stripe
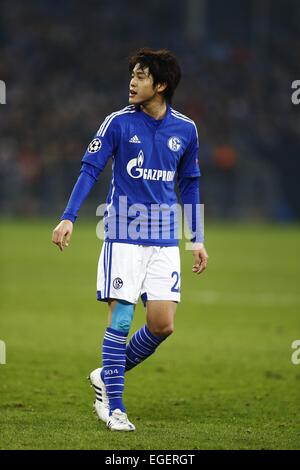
x: 224, y: 380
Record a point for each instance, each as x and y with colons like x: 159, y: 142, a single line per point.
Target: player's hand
x: 61, y: 235
x: 200, y: 258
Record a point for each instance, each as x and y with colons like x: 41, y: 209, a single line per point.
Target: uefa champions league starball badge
x: 95, y: 145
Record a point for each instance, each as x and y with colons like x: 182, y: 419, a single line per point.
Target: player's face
x: 141, y: 87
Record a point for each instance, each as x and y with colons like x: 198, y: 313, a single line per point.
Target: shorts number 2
x: 175, y: 288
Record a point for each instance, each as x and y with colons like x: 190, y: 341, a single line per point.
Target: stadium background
x: 65, y: 68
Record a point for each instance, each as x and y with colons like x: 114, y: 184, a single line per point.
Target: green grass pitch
x: 224, y: 380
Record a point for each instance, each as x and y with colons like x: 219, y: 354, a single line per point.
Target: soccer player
x: 151, y: 145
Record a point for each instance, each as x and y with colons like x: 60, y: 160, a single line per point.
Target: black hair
x: 162, y: 65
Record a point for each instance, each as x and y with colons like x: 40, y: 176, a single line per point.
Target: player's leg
x: 114, y: 359
x: 116, y: 285
x: 160, y: 317
x: 108, y: 381
x: 111, y: 306
x: 161, y: 293
x: 159, y: 325
x: 114, y: 351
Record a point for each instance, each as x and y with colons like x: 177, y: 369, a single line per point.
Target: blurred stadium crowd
x: 65, y: 69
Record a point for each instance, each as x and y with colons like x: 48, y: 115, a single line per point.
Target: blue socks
x: 114, y: 359
x: 117, y: 358
x: 141, y: 345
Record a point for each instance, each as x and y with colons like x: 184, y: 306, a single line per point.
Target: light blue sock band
x: 122, y: 316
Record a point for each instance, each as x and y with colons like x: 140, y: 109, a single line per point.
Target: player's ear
x: 161, y: 87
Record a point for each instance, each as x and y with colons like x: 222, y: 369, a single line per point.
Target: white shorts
x: 126, y: 271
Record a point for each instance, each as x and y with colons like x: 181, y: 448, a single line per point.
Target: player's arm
x: 188, y: 182
x: 94, y: 161
x: 62, y: 233
x: 190, y: 197
x: 200, y: 259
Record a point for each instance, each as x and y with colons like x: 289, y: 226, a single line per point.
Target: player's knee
x: 168, y: 330
x: 164, y: 331
x: 122, y: 316
x: 124, y: 325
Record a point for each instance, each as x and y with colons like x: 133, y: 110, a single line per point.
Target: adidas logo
x: 135, y: 140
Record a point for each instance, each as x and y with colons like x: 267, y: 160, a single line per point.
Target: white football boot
x: 101, y: 403
x: 118, y: 421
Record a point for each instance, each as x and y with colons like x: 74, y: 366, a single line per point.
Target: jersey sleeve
x: 81, y: 190
x: 190, y: 198
x: 103, y: 145
x: 189, y: 162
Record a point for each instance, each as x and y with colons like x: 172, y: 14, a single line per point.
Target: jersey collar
x: 151, y: 121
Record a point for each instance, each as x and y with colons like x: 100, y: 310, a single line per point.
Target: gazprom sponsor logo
x: 135, y: 170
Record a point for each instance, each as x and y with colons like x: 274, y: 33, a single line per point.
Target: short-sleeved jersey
x: 147, y: 157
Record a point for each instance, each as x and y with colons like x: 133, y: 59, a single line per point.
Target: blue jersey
x: 148, y: 155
